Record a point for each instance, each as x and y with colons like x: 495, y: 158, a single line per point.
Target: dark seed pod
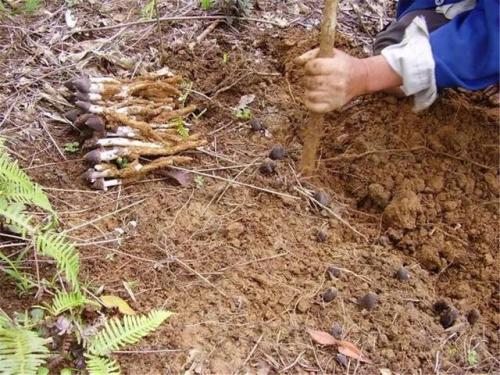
x: 448, y: 317
x: 368, y: 301
x: 278, y: 152
x: 473, y: 316
x: 329, y: 295
x: 333, y: 272
x: 267, y: 167
x: 336, y: 330
x: 403, y: 274
x: 256, y: 125
x: 322, y: 197
x: 440, y: 306
x: 342, y: 360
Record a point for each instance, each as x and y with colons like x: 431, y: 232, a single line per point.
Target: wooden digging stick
x: 314, y: 130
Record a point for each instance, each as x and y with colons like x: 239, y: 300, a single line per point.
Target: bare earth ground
x: 242, y: 268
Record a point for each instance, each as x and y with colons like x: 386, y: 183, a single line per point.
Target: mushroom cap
x: 82, y: 96
x: 90, y: 175
x: 99, y: 184
x: 80, y: 121
x: 83, y: 105
x: 73, y: 114
x: 96, y: 123
x: 93, y: 157
x: 82, y: 84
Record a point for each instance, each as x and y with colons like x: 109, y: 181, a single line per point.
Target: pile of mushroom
x: 135, y: 126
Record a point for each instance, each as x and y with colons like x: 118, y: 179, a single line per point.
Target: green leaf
x: 102, y: 366
x: 244, y: 114
x: 64, y: 301
x: 55, y: 246
x: 72, y: 147
x: 472, y: 358
x: 43, y: 371
x: 149, y: 10
x: 22, y: 351
x: 118, y: 333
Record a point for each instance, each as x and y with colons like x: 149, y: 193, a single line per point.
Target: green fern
x: 16, y: 186
x: 55, y: 246
x: 102, y: 366
x: 64, y: 301
x: 15, y: 218
x: 21, y: 351
x: 117, y: 333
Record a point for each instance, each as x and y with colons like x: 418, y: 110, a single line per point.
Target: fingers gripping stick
x: 314, y: 129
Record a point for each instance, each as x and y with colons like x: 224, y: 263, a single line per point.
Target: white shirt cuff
x: 412, y: 60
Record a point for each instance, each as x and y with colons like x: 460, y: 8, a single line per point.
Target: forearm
x: 377, y: 75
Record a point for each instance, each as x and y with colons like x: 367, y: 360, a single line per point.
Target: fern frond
x: 118, y: 333
x: 55, y: 246
x: 102, y: 366
x: 14, y: 216
x: 16, y: 185
x: 21, y: 351
x: 64, y: 301
x: 4, y: 319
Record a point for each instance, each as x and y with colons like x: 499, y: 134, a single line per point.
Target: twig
x: 173, y: 19
x: 333, y: 213
x: 253, y: 261
x: 236, y: 182
x: 205, y: 33
x: 149, y: 351
x: 102, y: 217
x: 293, y: 364
x: 250, y: 354
x: 53, y: 140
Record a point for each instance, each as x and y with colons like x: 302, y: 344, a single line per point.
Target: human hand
x: 332, y: 82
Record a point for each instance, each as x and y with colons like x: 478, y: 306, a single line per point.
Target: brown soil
x: 244, y: 270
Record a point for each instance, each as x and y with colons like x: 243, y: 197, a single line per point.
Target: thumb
x: 306, y: 57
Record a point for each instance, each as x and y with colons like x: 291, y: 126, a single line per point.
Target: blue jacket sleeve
x: 465, y: 50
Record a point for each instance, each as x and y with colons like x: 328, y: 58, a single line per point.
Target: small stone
x: 303, y: 306
x: 368, y: 301
x: 329, y: 295
x: 321, y: 236
x: 234, y: 230
x: 322, y: 197
x: 256, y: 125
x: 268, y: 167
x: 278, y: 152
x: 448, y: 317
x: 379, y: 195
x: 336, y: 330
x: 333, y: 272
x: 342, y: 360
x: 440, y: 305
x: 473, y: 316
x: 403, y: 274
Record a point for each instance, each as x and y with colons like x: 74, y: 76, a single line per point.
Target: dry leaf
x: 385, y: 371
x: 70, y: 19
x: 350, y: 350
x: 322, y: 337
x: 121, y: 304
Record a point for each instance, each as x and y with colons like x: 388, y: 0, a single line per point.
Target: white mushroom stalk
x: 125, y: 120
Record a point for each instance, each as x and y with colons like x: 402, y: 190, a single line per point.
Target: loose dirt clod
x: 368, y: 301
x: 448, y: 317
x: 403, y: 274
x: 336, y: 330
x: 333, y: 272
x: 278, y: 152
x: 321, y: 236
x: 267, y: 167
x: 329, y: 295
x: 473, y: 316
x: 322, y: 197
